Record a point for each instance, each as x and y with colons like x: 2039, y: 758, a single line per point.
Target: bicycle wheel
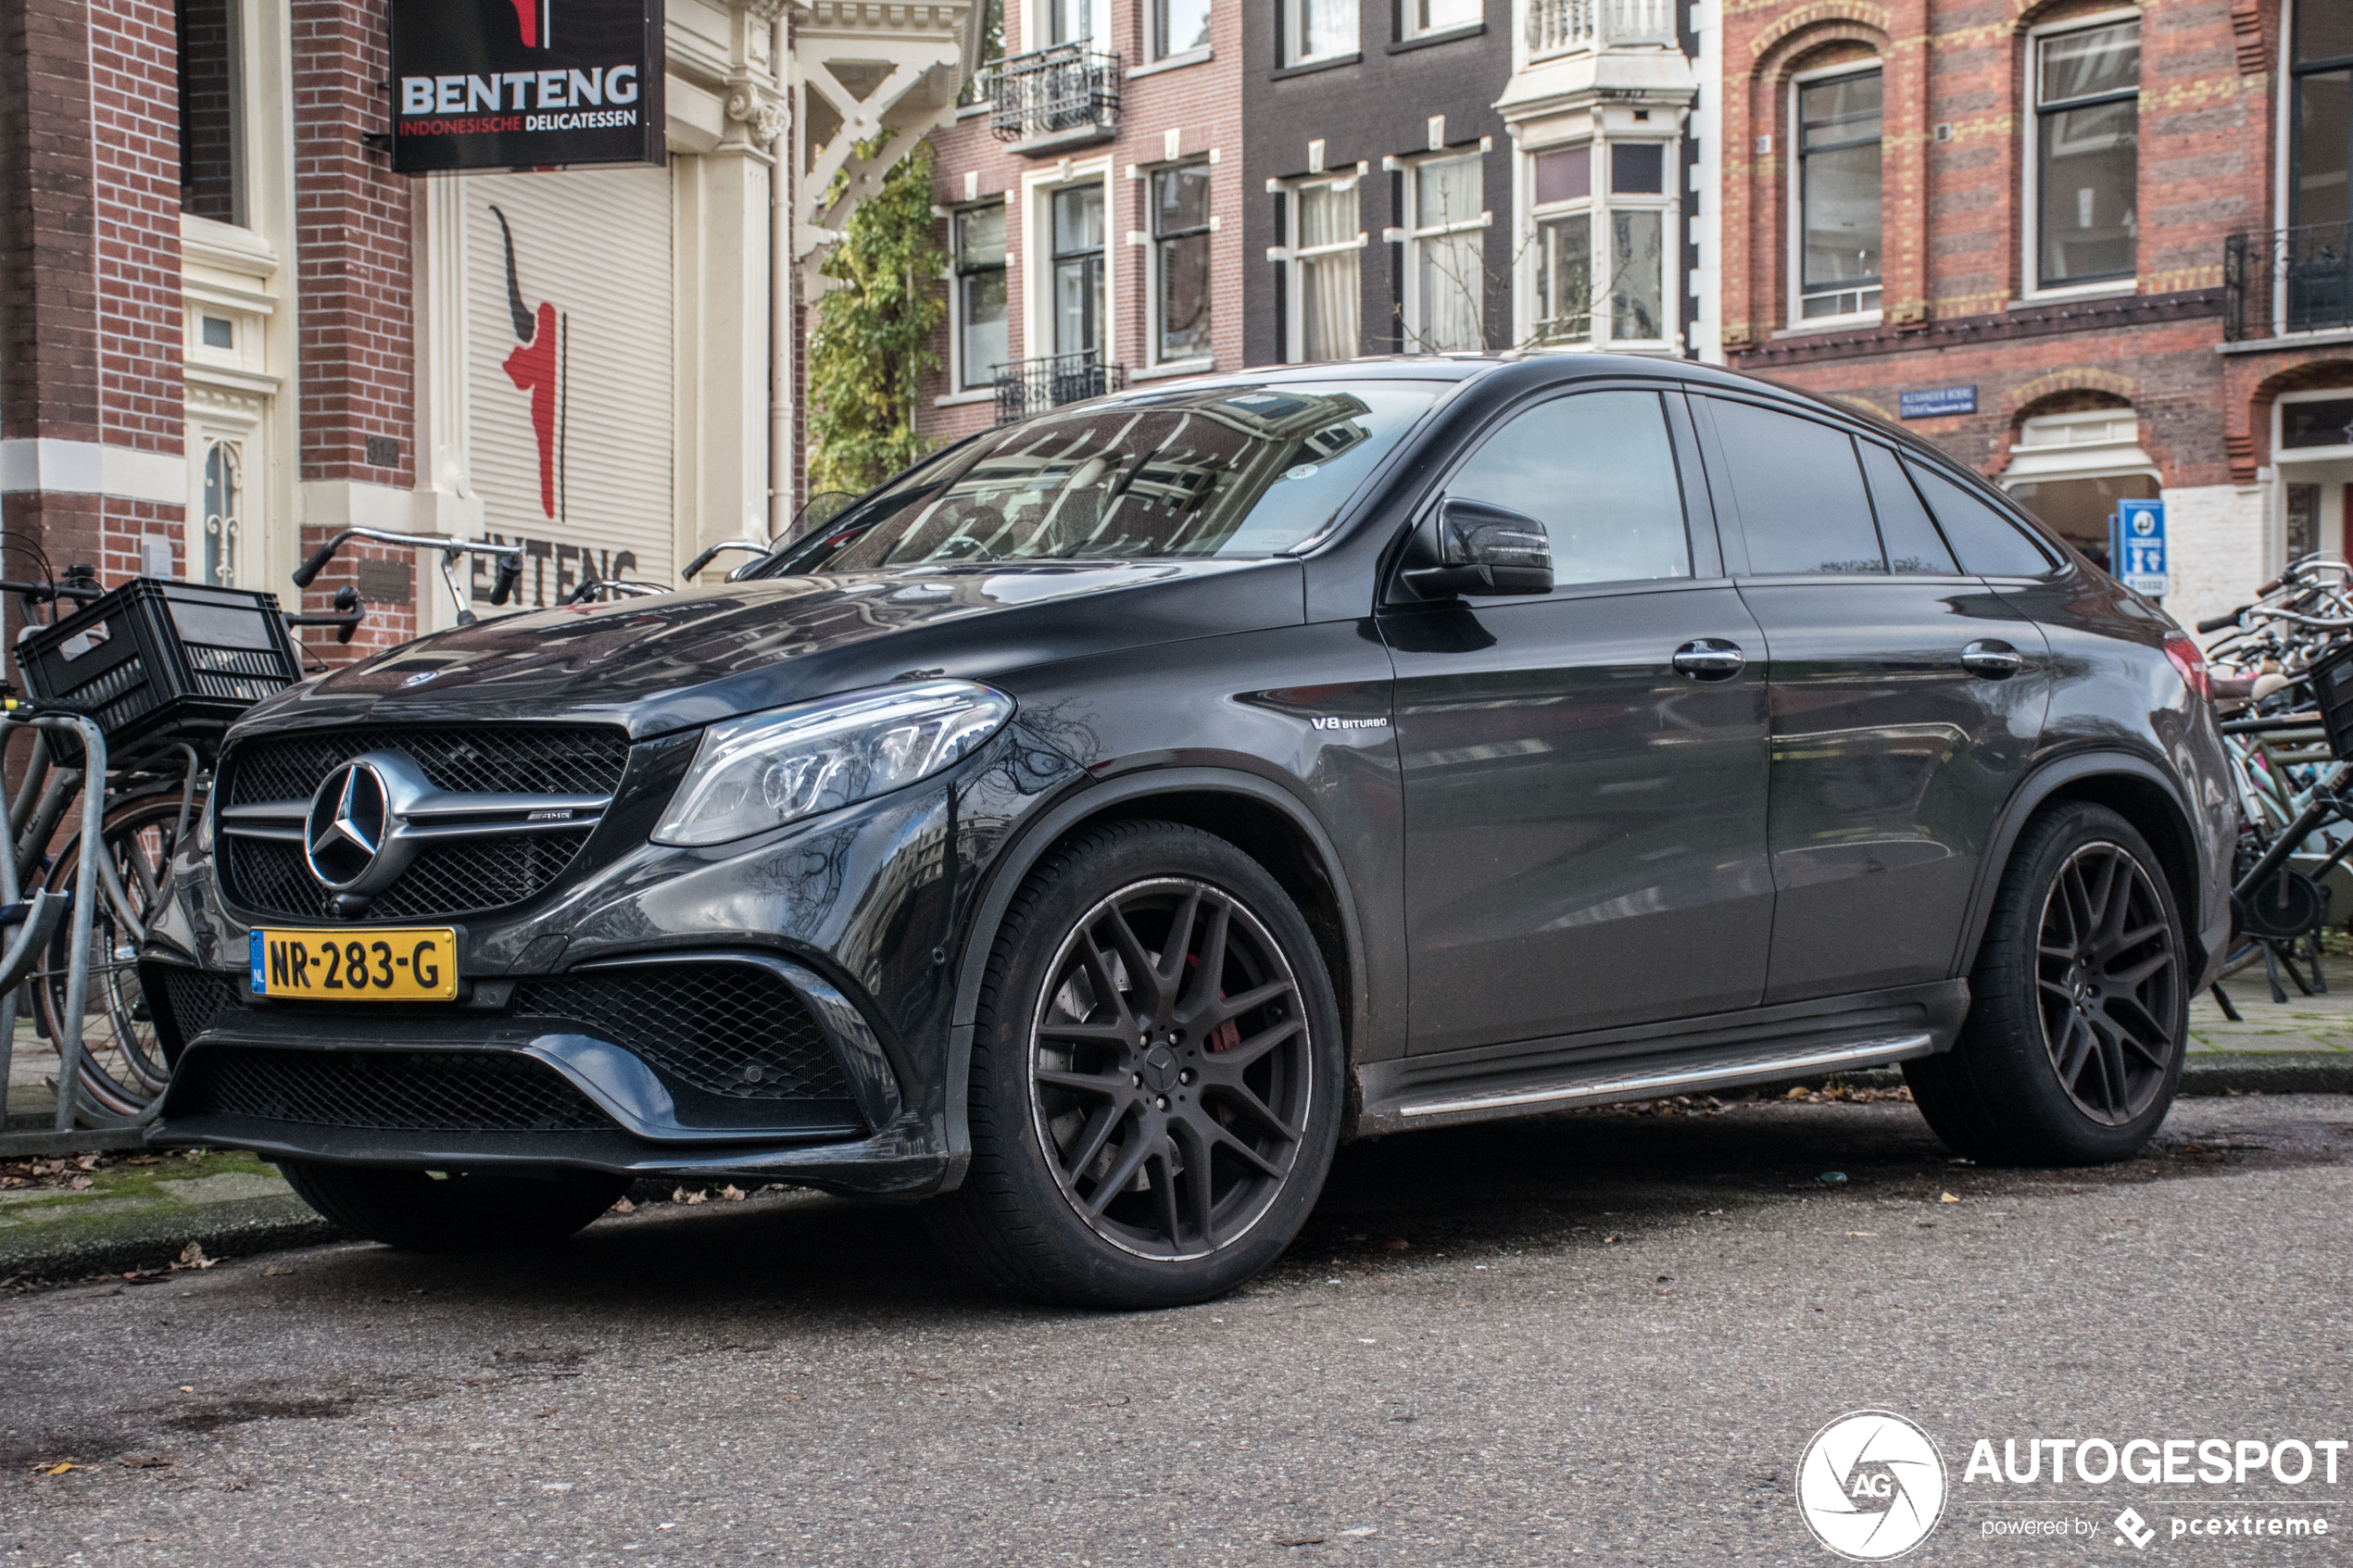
x: 122, y: 1067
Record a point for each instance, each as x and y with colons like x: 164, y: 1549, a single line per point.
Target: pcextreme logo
x: 1871, y: 1485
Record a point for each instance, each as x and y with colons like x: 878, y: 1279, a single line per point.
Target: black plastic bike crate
x: 2331, y: 678
x: 156, y: 661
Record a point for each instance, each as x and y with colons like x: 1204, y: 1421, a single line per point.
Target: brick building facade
x: 227, y: 329
x: 1094, y: 208
x: 2027, y: 212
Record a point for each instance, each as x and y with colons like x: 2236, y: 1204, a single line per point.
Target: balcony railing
x: 1564, y: 27
x: 1032, y: 386
x: 2288, y: 281
x: 1067, y: 92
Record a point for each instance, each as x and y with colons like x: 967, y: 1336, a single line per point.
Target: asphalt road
x: 1602, y: 1336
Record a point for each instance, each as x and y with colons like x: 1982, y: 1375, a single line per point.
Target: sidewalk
x: 2318, y: 1024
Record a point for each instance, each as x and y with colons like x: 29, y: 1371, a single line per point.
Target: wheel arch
x: 2135, y: 789
x: 1259, y: 817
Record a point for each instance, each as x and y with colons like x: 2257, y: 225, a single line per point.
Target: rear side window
x: 1598, y: 470
x: 1798, y: 491
x: 1988, y: 543
x: 1904, y: 524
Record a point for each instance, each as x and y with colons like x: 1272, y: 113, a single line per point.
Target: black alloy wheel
x: 1154, y: 1093
x: 1170, y: 1057
x: 2111, y: 978
x: 2079, y: 1003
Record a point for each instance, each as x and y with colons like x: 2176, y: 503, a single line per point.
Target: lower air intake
x: 393, y: 1091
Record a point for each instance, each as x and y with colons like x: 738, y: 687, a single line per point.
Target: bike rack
x: 78, y: 1129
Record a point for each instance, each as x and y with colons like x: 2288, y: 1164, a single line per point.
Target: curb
x: 155, y: 1238
x: 2204, y: 1074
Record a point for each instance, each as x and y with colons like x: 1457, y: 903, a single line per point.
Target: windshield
x: 1221, y: 470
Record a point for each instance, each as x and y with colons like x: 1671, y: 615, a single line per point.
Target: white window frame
x: 1599, y: 206
x: 2030, y: 170
x: 1413, y: 236
x: 1799, y: 321
x: 1151, y: 237
x: 2307, y: 454
x: 1526, y: 323
x: 1290, y: 253
x: 1410, y: 27
x: 959, y: 381
x: 1038, y: 26
x: 1030, y: 269
x: 1291, y: 16
x: 1149, y: 45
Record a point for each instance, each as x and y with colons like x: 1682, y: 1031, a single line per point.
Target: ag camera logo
x: 1871, y: 1485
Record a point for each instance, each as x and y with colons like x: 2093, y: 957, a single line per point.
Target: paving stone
x: 226, y: 1187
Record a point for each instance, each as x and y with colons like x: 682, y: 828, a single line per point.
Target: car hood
x: 669, y: 661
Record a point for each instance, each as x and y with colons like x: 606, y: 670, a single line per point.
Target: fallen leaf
x: 1395, y: 1244
x: 1798, y: 1093
x: 542, y: 1415
x: 148, y: 1461
x: 1863, y: 1233
x: 683, y: 1196
x: 192, y: 1257
x: 1299, y: 1540
x: 732, y: 1193
x: 276, y: 1268
x: 1947, y: 1198
x: 1609, y: 1241
x: 624, y: 1207
x: 60, y: 1467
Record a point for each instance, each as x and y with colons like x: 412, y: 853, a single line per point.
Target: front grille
x: 569, y: 760
x: 729, y: 1029
x: 195, y: 998
x: 393, y: 1091
x: 466, y: 878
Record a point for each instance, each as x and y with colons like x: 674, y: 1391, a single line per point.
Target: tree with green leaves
x: 873, y: 342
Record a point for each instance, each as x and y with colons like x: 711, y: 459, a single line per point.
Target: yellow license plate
x: 371, y: 964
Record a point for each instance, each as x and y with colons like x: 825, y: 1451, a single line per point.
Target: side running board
x: 1620, y: 1080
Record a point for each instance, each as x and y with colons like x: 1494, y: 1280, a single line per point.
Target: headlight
x: 769, y: 769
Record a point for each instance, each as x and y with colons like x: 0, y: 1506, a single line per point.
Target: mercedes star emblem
x: 350, y: 819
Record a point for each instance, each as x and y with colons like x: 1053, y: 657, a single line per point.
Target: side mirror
x: 1484, y: 551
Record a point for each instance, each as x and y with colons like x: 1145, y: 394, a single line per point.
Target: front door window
x: 1078, y: 269
x: 223, y: 504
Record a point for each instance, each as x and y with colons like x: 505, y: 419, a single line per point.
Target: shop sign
x: 525, y: 83
x: 1937, y: 401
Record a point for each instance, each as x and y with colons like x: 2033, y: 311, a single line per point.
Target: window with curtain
x: 1838, y: 195
x: 1446, y: 253
x: 1439, y: 16
x: 1326, y: 301
x: 1177, y: 26
x: 980, y: 293
x: 1180, y: 262
x: 1564, y: 193
x: 2087, y: 121
x: 1319, y: 30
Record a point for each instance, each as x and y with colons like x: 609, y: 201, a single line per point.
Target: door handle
x: 1993, y: 661
x: 1709, y: 658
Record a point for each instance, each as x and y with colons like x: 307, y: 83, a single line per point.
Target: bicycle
x: 72, y: 960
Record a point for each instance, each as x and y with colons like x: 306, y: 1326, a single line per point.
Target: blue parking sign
x: 2140, y: 537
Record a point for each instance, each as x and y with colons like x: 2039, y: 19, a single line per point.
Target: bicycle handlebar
x: 2215, y: 623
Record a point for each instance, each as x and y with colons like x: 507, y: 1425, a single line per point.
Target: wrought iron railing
x: 1032, y: 386
x: 1564, y: 27
x: 1054, y: 91
x: 2288, y: 281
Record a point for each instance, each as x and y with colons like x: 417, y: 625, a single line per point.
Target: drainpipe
x: 781, y: 177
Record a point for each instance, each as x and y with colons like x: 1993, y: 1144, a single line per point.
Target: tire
x: 457, y: 1212
x: 1165, y: 1166
x: 2079, y: 1003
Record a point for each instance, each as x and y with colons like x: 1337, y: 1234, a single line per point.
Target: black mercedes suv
x: 1089, y: 828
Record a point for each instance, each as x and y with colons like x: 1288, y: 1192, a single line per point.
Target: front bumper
x: 847, y: 918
